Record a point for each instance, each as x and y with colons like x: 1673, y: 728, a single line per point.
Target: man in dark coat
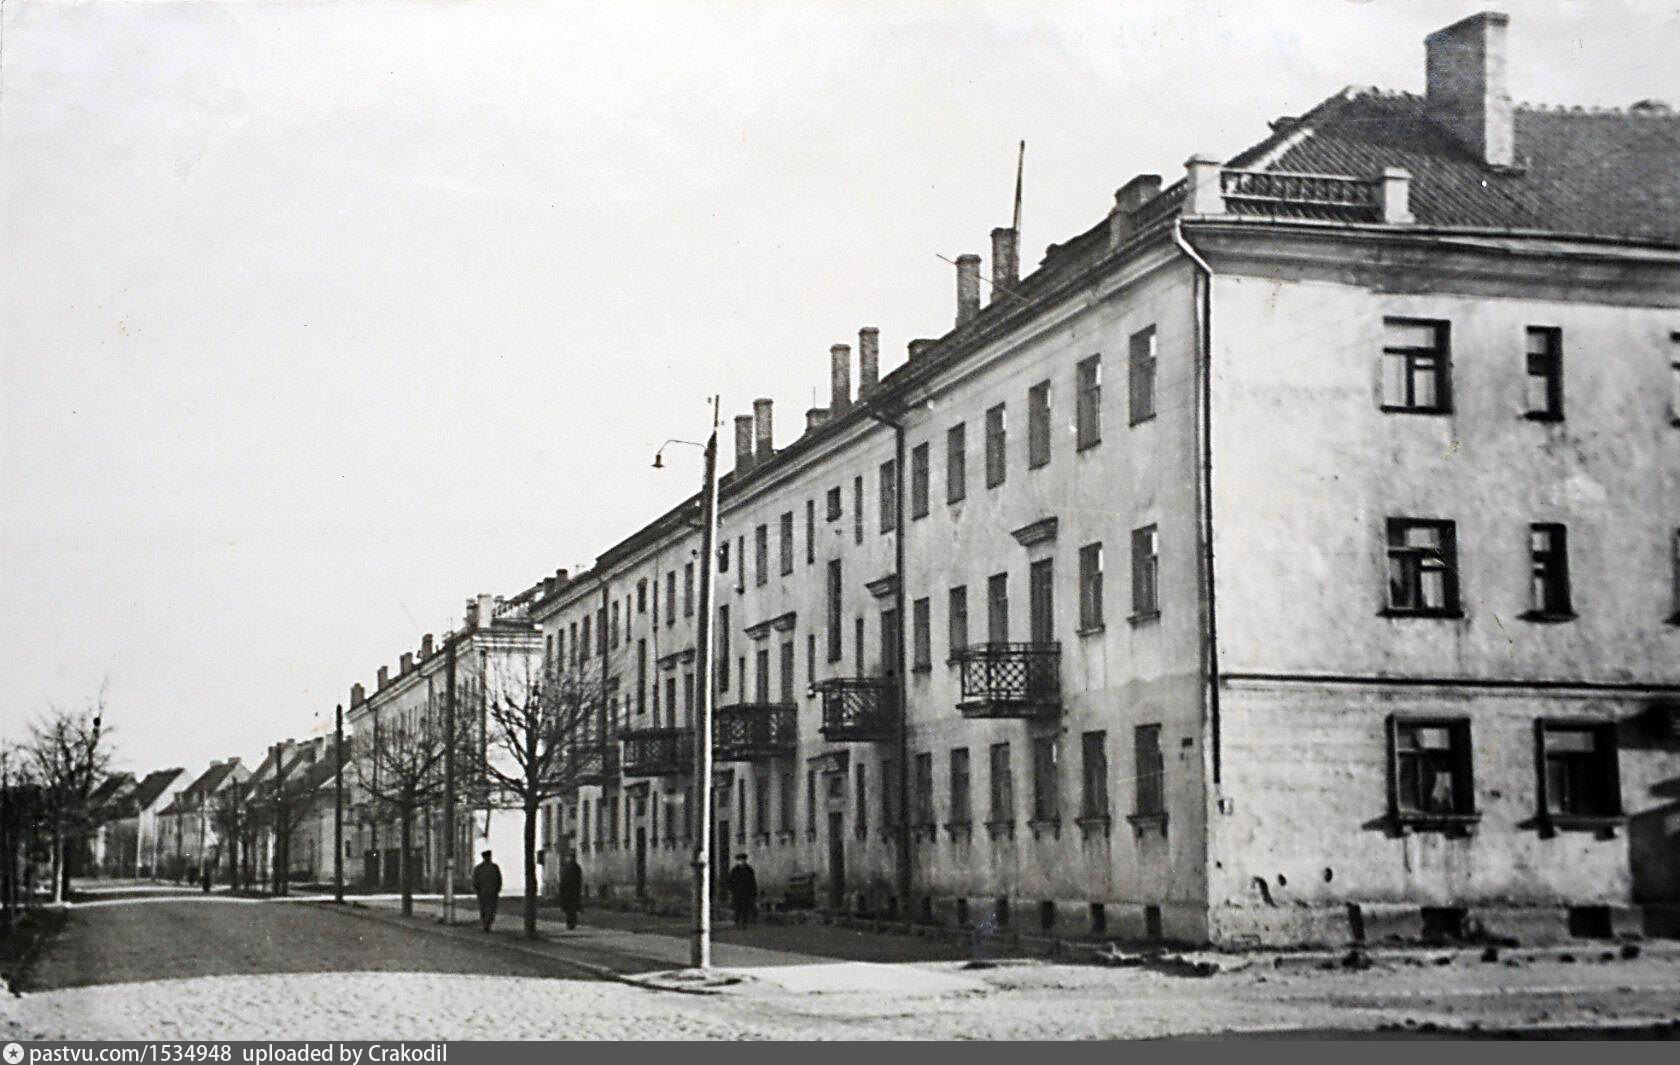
x: 571, y: 889
x: 487, y: 885
x: 742, y: 887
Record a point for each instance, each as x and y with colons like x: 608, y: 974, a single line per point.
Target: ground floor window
x: 1429, y: 771
x: 1578, y: 778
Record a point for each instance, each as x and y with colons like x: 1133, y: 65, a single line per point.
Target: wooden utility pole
x: 700, y: 954
x: 338, y: 805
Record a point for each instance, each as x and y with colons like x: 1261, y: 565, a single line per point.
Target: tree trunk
x: 403, y: 872
x: 530, y: 871
x: 58, y: 861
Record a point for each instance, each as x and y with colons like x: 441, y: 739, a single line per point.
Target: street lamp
x: 700, y: 947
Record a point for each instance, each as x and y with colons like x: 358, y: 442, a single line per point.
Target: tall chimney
x: 358, y: 695
x: 1006, y: 263
x: 1127, y: 199
x: 426, y: 646
x: 762, y: 439
x: 1464, y: 69
x: 486, y: 609
x: 384, y: 677
x: 968, y: 288
x: 743, y: 444
x: 869, y: 359
x: 407, y: 662
x: 839, y: 379
x: 561, y: 576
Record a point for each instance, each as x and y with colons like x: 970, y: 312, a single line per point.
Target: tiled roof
x: 153, y: 786
x: 1605, y: 173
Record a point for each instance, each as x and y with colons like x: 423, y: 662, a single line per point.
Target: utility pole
x: 338, y: 804
x: 449, y: 831
x: 700, y: 956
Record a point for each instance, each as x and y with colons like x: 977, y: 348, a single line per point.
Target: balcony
x: 594, y: 762
x: 751, y: 732
x: 658, y: 752
x: 1011, y: 680
x: 859, y: 709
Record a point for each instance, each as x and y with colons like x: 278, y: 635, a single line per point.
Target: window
x: 688, y: 697
x: 996, y: 436
x: 1146, y: 571
x: 1545, y: 374
x: 956, y: 620
x: 956, y: 460
x: 723, y: 648
x: 834, y: 504
x: 761, y: 546
x: 921, y: 635
x: 723, y: 556
x: 997, y: 608
x: 919, y: 481
x: 811, y: 802
x: 1003, y: 785
x: 1674, y: 576
x: 857, y: 510
x: 587, y: 643
x: 641, y: 585
x: 1038, y: 425
x: 1548, y: 547
x: 810, y: 658
x: 1580, y: 778
x: 1674, y: 378
x: 671, y: 700
x: 761, y: 805
x: 810, y: 532
x: 1415, y: 373
x: 1090, y: 588
x: 1046, y: 793
x: 857, y: 645
x: 688, y: 589
x: 889, y: 496
x: 924, y: 791
x: 787, y: 543
x: 1088, y: 409
x: 612, y: 640
x: 741, y: 563
x: 1141, y: 376
x: 835, y: 635
x: 1041, y: 599
x: 641, y: 676
x: 1422, y: 567
x: 671, y: 597
x: 1093, y: 776
x: 1429, y: 777
x: 560, y: 643
x: 959, y: 786
x: 787, y: 802
x: 860, y: 799
x: 1149, y: 772
x: 788, y: 667
x: 601, y: 630
x: 889, y: 643
x: 761, y: 682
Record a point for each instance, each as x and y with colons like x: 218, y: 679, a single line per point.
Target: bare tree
x: 538, y: 739
x: 280, y: 803
x: 228, y: 817
x: 399, y: 765
x: 68, y: 762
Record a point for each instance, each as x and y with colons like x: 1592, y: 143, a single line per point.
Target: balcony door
x: 997, y: 608
x: 1040, y: 593
x: 889, y: 643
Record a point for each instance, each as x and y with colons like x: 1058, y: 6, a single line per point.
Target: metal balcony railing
x: 859, y: 709
x: 594, y: 762
x: 1329, y: 196
x: 658, y: 752
x: 750, y: 732
x: 1011, y: 679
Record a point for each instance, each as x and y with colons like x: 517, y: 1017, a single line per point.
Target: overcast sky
x: 317, y: 319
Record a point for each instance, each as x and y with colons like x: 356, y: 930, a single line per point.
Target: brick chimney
x: 358, y: 695
x: 407, y: 662
x: 763, y: 441
x: 1465, y: 74
x: 426, y: 646
x: 1006, y: 263
x: 816, y: 418
x: 743, y: 444
x: 869, y: 359
x: 486, y: 609
x: 384, y: 677
x: 470, y: 615
x: 968, y: 288
x: 839, y: 378
x: 1127, y: 199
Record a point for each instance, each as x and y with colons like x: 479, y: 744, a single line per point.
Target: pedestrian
x: 487, y: 885
x: 742, y: 888
x: 571, y: 889
x: 207, y: 878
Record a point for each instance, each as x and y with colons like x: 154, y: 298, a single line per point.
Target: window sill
x: 1052, y: 825
x: 1037, y: 465
x: 1142, y: 419
x: 1001, y: 828
x: 1541, y: 416
x: 963, y: 830
x: 1142, y: 823
x: 1398, y: 612
x: 1547, y: 618
x: 1091, y: 824
x: 1604, y: 826
x: 1446, y: 824
x: 1145, y: 618
x: 922, y: 667
x: 1092, y: 630
x: 1087, y: 445
x: 1390, y: 409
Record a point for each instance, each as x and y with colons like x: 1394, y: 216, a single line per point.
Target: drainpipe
x: 1204, y: 500
x: 902, y: 685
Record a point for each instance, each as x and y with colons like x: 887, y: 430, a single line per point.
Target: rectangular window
x: 740, y: 563
x: 810, y: 658
x: 1038, y: 425
x: 857, y: 510
x: 1544, y: 394
x: 860, y: 800
x: 671, y: 597
x: 1146, y: 571
x: 996, y: 440
x: 560, y: 643
x: 1046, y: 792
x: 587, y: 642
x: 601, y: 630
x: 789, y: 676
x: 811, y: 801
x: 688, y: 589
x: 1548, y: 546
x: 1580, y: 777
x: 1149, y: 771
x: 612, y: 640
x: 1416, y: 373
x: 889, y: 496
x: 671, y: 700
x: 641, y: 676
x: 1422, y: 567
x: 1141, y: 376
x: 787, y: 802
x: 833, y: 511
x: 761, y: 546
x: 956, y: 621
x: 761, y: 805
x: 835, y: 633
x: 761, y: 682
x: 959, y: 786
x: 889, y: 643
x: 921, y: 633
x: 723, y: 648
x: 997, y: 608
x: 810, y: 532
x: 857, y: 645
x: 1002, y: 785
x: 956, y: 462
x: 723, y: 556
x: 924, y: 791
x: 1674, y: 378
x: 688, y: 697
x: 641, y: 585
x: 918, y: 481
x: 1041, y: 598
x: 1088, y: 411
x: 787, y: 543
x: 1093, y: 776
x: 1430, y: 768
x: 1090, y: 588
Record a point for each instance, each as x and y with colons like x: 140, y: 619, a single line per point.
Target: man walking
x: 742, y: 887
x: 571, y: 889
x: 487, y: 885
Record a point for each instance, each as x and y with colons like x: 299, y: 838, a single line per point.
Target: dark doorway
x: 641, y: 861
x: 837, y: 860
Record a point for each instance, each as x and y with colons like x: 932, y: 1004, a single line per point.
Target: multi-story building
x: 1293, y: 556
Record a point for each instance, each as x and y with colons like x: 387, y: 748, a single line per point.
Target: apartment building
x: 1294, y: 556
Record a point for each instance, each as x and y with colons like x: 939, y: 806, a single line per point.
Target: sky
x: 317, y: 319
